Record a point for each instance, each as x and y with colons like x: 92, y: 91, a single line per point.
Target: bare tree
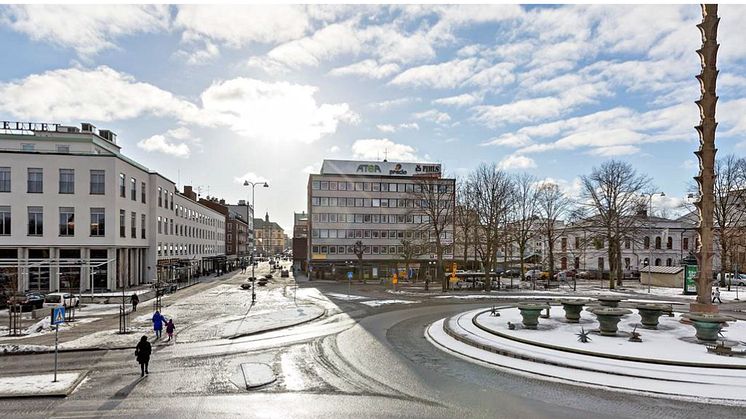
x: 465, y: 219
x: 434, y: 200
x: 491, y: 190
x: 410, y: 250
x: 524, y: 216
x: 553, y: 206
x: 730, y: 191
x: 613, y: 195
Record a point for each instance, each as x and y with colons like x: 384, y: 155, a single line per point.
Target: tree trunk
x: 611, y: 254
x: 551, y: 261
x: 723, y: 259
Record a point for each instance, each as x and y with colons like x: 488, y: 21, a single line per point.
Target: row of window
x: 599, y: 243
x: 374, y: 250
x: 133, y: 188
x: 323, y: 185
x: 66, y: 224
x: 166, y: 226
x: 171, y: 249
x: 166, y: 200
x: 370, y: 218
x: 332, y: 201
x: 376, y: 234
x: 60, y: 148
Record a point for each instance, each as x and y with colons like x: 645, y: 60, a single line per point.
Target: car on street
x: 584, y: 275
x: 28, y: 301
x: 534, y: 274
x: 65, y: 299
x: 731, y: 279
x: 511, y: 273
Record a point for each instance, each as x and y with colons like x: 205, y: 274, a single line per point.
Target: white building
x: 74, y: 211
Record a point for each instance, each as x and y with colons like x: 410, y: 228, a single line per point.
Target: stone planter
x: 707, y: 325
x: 608, y: 318
x: 609, y: 301
x: 530, y: 313
x: 573, y: 309
x: 650, y: 314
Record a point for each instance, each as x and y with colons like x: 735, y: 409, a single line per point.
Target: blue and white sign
x: 58, y: 315
x: 349, y: 275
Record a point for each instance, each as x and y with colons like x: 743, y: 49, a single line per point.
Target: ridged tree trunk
x: 706, y: 155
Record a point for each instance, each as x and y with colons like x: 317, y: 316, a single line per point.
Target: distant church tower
x: 266, y: 217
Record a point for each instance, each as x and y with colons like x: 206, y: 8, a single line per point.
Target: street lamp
x: 650, y: 235
x: 253, y: 185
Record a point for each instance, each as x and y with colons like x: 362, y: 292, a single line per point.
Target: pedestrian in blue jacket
x: 158, y: 320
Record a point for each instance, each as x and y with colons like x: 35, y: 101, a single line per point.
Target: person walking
x: 158, y: 320
x: 142, y: 353
x: 170, y: 329
x: 134, y: 300
x: 716, y: 295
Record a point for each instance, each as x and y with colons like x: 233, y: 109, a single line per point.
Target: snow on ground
x: 672, y: 341
x: 345, y: 296
x: 43, y: 327
x: 39, y: 385
x: 378, y: 303
x: 15, y: 348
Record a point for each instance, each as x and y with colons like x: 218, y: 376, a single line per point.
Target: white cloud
x: 200, y: 56
x: 367, y: 68
x: 465, y: 99
x: 516, y: 161
x: 433, y: 115
x: 311, y: 168
x: 100, y: 94
x: 240, y: 25
x: 87, y: 29
x: 250, y: 177
x: 374, y: 148
x: 167, y: 143
x: 393, y: 128
x: 329, y: 42
x: 272, y: 111
x: 447, y: 75
x: 387, y: 104
x: 333, y: 149
x: 614, y: 150
x: 510, y: 139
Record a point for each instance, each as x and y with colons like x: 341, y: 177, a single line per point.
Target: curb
x: 272, y: 329
x: 65, y: 393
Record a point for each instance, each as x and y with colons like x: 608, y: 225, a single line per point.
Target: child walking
x: 170, y: 329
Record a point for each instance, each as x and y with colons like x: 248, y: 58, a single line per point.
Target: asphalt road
x: 373, y: 362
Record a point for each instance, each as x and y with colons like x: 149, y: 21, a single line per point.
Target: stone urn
x: 530, y: 313
x: 708, y: 325
x: 608, y: 318
x: 609, y: 300
x: 573, y: 307
x: 649, y: 313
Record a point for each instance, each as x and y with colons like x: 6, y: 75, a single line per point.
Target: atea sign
x: 349, y: 167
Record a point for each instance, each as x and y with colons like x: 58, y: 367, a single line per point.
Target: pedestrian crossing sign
x: 58, y: 315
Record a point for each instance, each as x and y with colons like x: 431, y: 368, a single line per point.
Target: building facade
x: 76, y: 214
x: 236, y: 232
x: 270, y: 237
x: 246, y: 212
x: 379, y: 205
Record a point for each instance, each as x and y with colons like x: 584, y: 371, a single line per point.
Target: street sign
x: 58, y: 315
x: 349, y: 276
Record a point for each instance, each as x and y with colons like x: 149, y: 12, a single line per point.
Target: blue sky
x: 213, y: 95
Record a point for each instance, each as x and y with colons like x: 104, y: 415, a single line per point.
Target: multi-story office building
x: 76, y: 213
x: 236, y: 232
x: 378, y: 204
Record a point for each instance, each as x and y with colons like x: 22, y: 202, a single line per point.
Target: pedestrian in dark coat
x: 170, y: 329
x: 135, y: 300
x: 158, y: 320
x: 142, y: 352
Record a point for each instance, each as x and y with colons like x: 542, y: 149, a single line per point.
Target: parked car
x: 511, y: 273
x: 64, y: 299
x: 534, y: 274
x: 28, y: 301
x: 285, y: 273
x: 584, y: 275
x: 731, y: 279
x: 268, y: 276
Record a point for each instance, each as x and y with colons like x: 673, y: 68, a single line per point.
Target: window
x: 646, y: 243
x: 669, y: 262
x: 160, y: 229
x: 4, y: 221
x: 133, y: 225
x: 98, y: 224
x: 658, y: 242
x: 172, y: 200
x: 142, y: 192
x: 657, y: 262
x: 122, y: 191
x: 324, y: 185
x: 601, y: 264
x: 4, y: 179
x: 160, y: 197
x: 67, y: 221
x: 121, y: 223
x: 685, y: 244
x: 133, y: 189
x: 27, y: 147
x: 315, y: 185
x: 626, y: 243
x: 62, y: 148
x: 142, y: 226
x: 577, y: 242
x: 67, y: 181
x: 669, y: 244
x: 171, y: 223
x: 627, y: 263
x: 35, y: 180
x: 97, y: 182
x: 35, y: 221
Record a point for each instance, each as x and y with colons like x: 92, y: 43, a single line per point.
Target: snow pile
x: 38, y: 385
x: 378, y: 303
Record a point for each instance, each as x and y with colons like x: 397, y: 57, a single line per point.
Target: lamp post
x: 650, y: 234
x: 253, y: 248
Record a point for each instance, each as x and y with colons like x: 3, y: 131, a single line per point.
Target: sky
x: 211, y: 96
